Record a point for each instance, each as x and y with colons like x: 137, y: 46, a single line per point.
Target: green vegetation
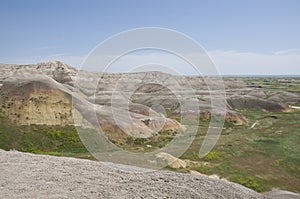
x: 52, y: 140
x: 275, y: 83
x: 260, y: 158
x: 130, y: 143
x: 213, y: 156
x: 249, y: 182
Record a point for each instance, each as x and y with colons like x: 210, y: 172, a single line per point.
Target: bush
x: 204, y: 170
x: 213, y: 156
x: 54, y: 134
x: 32, y: 150
x: 278, y: 163
x: 249, y: 182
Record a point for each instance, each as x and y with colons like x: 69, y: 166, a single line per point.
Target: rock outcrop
x: 36, y: 101
x: 171, y: 161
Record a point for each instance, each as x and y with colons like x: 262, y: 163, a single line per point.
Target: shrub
x: 249, y: 182
x: 204, y: 170
x: 213, y: 156
x: 54, y: 134
x: 278, y: 163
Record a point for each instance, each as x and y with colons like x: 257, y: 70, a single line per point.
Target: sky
x: 241, y: 37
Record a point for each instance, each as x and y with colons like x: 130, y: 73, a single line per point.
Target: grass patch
x: 213, y: 156
x: 40, y: 139
x: 261, y: 158
x: 248, y: 181
x: 129, y: 143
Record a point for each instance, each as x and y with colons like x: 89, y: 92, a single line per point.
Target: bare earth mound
x: 39, y: 176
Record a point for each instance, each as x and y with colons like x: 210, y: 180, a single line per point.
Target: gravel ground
x: 25, y: 175
x: 279, y: 194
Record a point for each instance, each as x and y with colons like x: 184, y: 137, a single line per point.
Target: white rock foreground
x: 25, y: 175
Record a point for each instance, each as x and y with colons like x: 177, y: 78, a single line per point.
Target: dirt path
x: 26, y: 175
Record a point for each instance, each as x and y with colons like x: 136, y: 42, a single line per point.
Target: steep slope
x: 41, y: 100
x: 36, y: 101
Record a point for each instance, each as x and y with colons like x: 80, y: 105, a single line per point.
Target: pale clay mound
x: 26, y: 175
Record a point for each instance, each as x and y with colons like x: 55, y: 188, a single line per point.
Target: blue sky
x: 242, y: 37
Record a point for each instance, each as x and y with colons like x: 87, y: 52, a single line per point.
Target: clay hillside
x: 42, y: 94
